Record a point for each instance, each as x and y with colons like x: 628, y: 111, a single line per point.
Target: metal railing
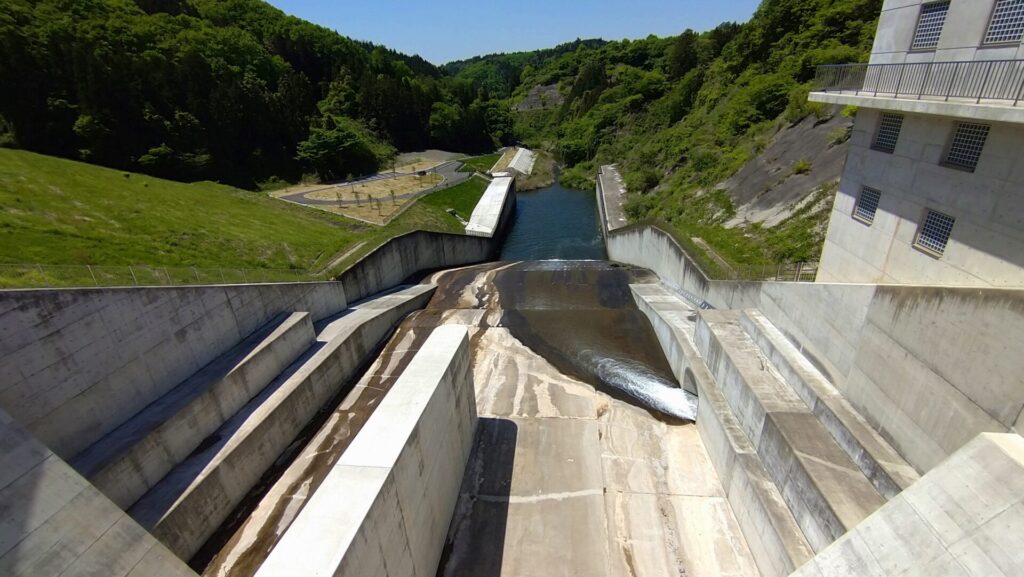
x: 69, y: 276
x: 990, y: 80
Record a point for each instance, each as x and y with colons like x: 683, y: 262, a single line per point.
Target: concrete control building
x: 932, y: 192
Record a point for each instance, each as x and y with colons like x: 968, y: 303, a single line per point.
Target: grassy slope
x: 480, y: 163
x: 56, y: 211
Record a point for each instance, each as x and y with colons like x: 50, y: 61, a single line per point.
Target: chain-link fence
x: 66, y: 276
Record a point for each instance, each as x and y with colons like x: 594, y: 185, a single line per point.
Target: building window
x: 934, y: 232
x: 888, y: 132
x: 867, y: 205
x: 968, y: 142
x: 929, y: 25
x: 1007, y: 23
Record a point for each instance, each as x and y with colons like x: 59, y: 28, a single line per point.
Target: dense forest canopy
x: 231, y: 90
x: 681, y: 114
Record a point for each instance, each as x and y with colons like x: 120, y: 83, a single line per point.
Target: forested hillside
x: 682, y: 115
x: 229, y: 90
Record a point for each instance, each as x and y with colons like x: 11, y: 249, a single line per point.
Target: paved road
x: 449, y: 171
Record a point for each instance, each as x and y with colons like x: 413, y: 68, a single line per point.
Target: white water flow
x: 640, y: 383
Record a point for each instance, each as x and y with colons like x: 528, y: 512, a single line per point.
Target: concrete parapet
x: 965, y: 517
x: 134, y: 457
x: 493, y: 208
x: 385, y: 505
x: 190, y: 503
x: 404, y: 256
x: 56, y: 524
x: 76, y: 364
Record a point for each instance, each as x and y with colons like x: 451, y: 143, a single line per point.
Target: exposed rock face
x: 541, y: 98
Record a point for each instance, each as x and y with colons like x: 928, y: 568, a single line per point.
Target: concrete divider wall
x: 385, y: 506
x: 928, y: 367
x: 75, y: 364
x: 56, y: 523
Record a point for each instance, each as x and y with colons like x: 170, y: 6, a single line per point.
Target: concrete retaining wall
x: 384, y: 508
x: 929, y: 367
x: 75, y: 364
x: 965, y: 517
x: 56, y: 523
x: 493, y: 209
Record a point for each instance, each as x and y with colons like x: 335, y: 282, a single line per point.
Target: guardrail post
x: 899, y: 83
x: 196, y: 273
x: 984, y: 83
x: 927, y: 75
x: 135, y: 279
x: 93, y: 275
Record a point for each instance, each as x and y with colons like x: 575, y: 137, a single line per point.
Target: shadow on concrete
x: 476, y: 537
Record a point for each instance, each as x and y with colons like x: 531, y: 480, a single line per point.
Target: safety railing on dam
x: 991, y: 80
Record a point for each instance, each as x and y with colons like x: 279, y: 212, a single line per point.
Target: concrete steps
x: 192, y: 501
x: 887, y: 471
x: 826, y: 491
x: 130, y: 460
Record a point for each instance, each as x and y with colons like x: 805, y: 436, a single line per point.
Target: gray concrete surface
x: 384, y: 506
x: 76, y: 364
x: 492, y: 208
x: 611, y: 196
x: 130, y: 460
x: 777, y: 544
x: 964, y: 518
x: 826, y: 491
x: 56, y: 524
x: 185, y: 508
x: 927, y: 367
x: 566, y: 480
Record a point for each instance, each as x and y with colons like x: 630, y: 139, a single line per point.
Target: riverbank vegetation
x: 680, y: 115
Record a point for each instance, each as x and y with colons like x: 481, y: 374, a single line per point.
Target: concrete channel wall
x: 929, y: 367
x: 56, y: 523
x: 385, y: 506
x: 494, y: 209
x: 77, y: 363
x: 965, y: 517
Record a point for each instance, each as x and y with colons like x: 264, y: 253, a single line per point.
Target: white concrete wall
x: 385, y: 507
x: 404, y: 256
x: 986, y: 247
x: 965, y: 517
x: 523, y: 161
x: 962, y: 36
x: 928, y: 367
x: 56, y: 523
x: 75, y: 364
x: 492, y: 207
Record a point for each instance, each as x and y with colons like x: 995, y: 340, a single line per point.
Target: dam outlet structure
x: 524, y: 399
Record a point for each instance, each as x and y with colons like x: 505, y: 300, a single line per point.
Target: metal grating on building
x: 888, y: 132
x: 929, y: 25
x: 867, y: 205
x: 934, y: 233
x: 1007, y: 23
x: 968, y: 142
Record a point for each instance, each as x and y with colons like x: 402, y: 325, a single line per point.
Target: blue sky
x: 445, y: 30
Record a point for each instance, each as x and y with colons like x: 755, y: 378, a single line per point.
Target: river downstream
x: 555, y: 223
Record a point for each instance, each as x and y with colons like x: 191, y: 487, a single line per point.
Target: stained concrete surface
x: 565, y: 479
